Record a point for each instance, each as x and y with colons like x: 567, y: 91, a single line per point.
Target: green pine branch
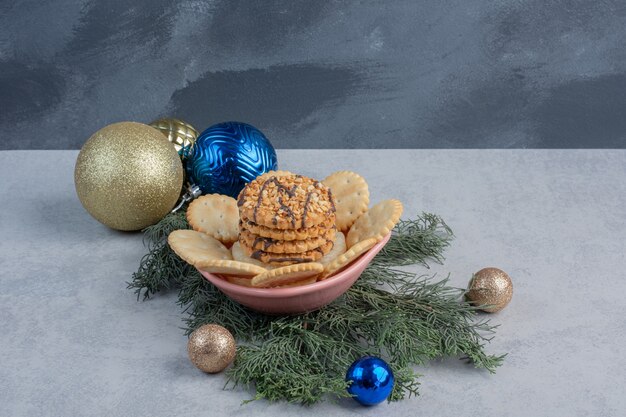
x: 406, y: 319
x: 160, y: 269
x: 416, y: 242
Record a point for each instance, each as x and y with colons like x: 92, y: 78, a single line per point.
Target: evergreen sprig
x: 416, y: 241
x: 160, y: 269
x: 404, y: 318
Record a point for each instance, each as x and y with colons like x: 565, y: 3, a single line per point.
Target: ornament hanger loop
x: 193, y: 192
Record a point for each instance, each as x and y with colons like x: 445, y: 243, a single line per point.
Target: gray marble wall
x: 315, y: 74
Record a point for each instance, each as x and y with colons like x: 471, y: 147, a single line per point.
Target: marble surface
x: 74, y: 341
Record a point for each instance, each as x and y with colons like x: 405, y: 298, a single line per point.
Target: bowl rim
x: 344, y: 275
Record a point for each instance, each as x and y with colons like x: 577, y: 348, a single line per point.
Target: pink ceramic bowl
x: 294, y: 300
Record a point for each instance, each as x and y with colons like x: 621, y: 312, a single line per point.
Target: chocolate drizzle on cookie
x: 308, y: 200
x: 291, y: 192
x: 332, y: 201
x: 294, y: 214
x: 287, y: 210
x: 242, y: 197
x: 259, y: 253
x: 294, y: 260
x: 267, y: 242
x: 306, y: 209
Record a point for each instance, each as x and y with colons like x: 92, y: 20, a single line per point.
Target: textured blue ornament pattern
x: 372, y: 380
x: 227, y: 156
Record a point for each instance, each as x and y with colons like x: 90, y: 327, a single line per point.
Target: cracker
x: 216, y: 215
x: 288, y: 234
x: 339, y: 248
x: 239, y: 280
x: 287, y: 275
x: 377, y: 222
x: 351, y: 196
x: 195, y: 247
x: 283, y: 259
x: 257, y: 242
x: 228, y: 267
x: 247, y: 282
x: 239, y: 255
x: 305, y: 281
x: 286, y: 202
x: 350, y: 256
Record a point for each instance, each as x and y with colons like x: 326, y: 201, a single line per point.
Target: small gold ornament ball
x: 490, y: 286
x: 180, y: 133
x: 211, y: 348
x: 128, y: 176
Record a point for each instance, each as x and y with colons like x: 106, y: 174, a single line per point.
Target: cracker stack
x: 286, y: 219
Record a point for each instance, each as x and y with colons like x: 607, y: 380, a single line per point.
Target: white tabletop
x: 75, y: 342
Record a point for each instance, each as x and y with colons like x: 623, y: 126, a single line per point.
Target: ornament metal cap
x: 193, y: 192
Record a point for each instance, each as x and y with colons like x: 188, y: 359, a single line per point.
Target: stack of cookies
x: 285, y: 229
x: 286, y: 219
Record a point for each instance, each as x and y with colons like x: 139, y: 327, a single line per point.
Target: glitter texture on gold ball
x: 211, y: 348
x: 128, y: 176
x: 490, y: 286
x: 180, y: 133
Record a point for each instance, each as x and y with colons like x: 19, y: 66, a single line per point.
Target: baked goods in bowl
x: 299, y: 244
x: 295, y: 299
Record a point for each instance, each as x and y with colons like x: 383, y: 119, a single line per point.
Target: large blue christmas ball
x: 372, y: 380
x: 229, y: 155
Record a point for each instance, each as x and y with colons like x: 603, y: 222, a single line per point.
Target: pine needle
x: 416, y: 241
x: 160, y: 269
x: 406, y: 319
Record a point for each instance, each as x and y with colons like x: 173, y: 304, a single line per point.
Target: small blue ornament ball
x: 227, y: 156
x: 372, y: 380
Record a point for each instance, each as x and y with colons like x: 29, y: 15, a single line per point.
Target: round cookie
x: 287, y: 234
x: 245, y: 281
x: 286, y: 202
x: 348, y: 257
x: 284, y: 246
x: 339, y: 248
x: 303, y: 281
x: 375, y: 223
x: 196, y: 247
x: 287, y: 275
x: 228, y: 267
x: 351, y: 195
x: 239, y: 255
x: 283, y: 259
x: 216, y: 215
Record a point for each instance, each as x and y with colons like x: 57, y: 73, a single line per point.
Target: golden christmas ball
x: 490, y: 286
x: 128, y: 176
x: 211, y: 348
x: 180, y: 133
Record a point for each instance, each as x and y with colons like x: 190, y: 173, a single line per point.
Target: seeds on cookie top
x: 286, y: 202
